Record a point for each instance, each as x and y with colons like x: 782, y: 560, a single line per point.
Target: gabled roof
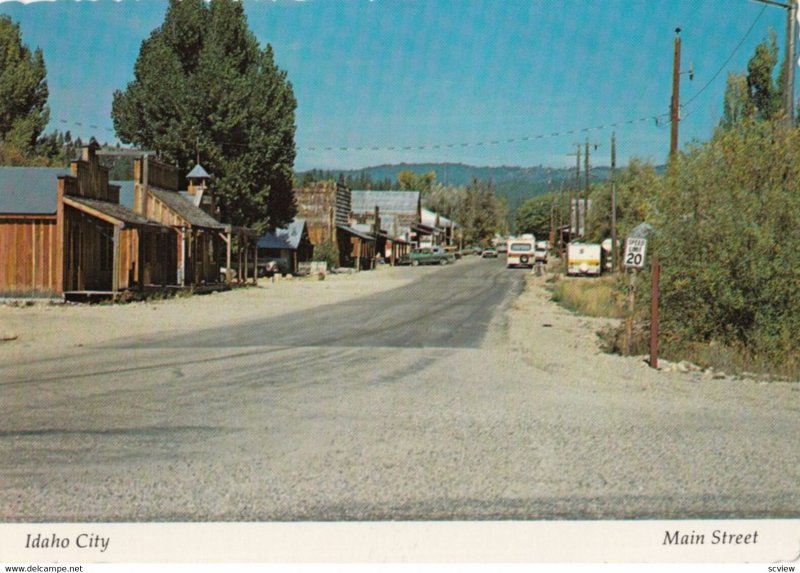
x: 29, y: 190
x: 284, y: 238
x: 185, y: 209
x: 387, y: 201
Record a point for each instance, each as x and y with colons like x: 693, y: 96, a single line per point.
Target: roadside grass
x: 782, y: 364
x: 606, y: 297
x: 596, y: 297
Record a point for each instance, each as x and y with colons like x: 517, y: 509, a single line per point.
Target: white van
x: 521, y: 251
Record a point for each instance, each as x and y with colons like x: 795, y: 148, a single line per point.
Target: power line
x: 491, y: 142
x: 727, y: 61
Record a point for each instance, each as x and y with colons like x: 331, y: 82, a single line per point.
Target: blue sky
x: 445, y: 78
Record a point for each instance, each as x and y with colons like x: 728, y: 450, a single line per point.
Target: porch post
x: 140, y: 259
x: 228, y: 270
x: 255, y: 264
x: 115, y: 265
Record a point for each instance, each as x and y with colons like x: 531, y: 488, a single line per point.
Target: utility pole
x: 586, y: 188
x: 560, y: 219
x: 674, y: 110
x: 575, y: 197
x: 614, y: 264
x: 788, y: 91
x: 586, y: 172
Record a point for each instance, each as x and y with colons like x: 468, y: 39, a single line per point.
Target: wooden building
x: 204, y: 247
x: 325, y: 207
x: 436, y: 229
x: 65, y: 232
x: 393, y: 213
x: 290, y: 245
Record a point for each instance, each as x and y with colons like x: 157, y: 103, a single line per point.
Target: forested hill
x: 516, y: 184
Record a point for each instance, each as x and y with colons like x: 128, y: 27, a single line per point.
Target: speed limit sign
x: 635, y: 249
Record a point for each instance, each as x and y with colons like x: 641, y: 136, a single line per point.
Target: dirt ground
x: 33, y: 328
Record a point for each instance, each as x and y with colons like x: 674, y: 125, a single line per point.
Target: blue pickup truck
x: 431, y: 256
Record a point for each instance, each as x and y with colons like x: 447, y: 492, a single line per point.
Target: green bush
x: 327, y: 251
x: 728, y: 235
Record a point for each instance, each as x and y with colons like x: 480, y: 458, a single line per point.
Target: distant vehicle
x: 404, y: 259
x: 489, y: 253
x: 584, y: 259
x: 540, y: 251
x: 502, y: 248
x: 521, y: 251
x: 266, y: 268
x: 453, y: 250
x: 431, y: 256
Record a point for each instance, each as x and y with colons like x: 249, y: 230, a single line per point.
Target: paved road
x: 409, y: 404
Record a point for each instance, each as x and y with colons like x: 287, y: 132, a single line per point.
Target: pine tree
x: 23, y: 90
x: 204, y: 87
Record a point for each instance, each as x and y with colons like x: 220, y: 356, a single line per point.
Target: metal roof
x: 355, y: 232
x: 386, y: 201
x: 283, y: 238
x: 30, y: 190
x: 198, y: 173
x: 193, y: 199
x: 185, y: 209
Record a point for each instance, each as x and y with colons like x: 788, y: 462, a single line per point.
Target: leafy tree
x: 736, y: 105
x: 23, y: 90
x: 765, y: 91
x: 410, y: 181
x: 758, y: 95
x: 637, y: 187
x: 480, y: 213
x: 728, y: 228
x: 203, y: 87
x: 534, y: 216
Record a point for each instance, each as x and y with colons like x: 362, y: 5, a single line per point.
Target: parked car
x: 489, y: 253
x: 431, y: 256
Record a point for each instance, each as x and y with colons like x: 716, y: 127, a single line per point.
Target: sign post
x: 635, y: 249
x: 656, y: 272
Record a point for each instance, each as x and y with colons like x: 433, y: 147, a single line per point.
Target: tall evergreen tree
x: 204, y: 87
x: 758, y: 95
x: 23, y: 90
x: 765, y: 90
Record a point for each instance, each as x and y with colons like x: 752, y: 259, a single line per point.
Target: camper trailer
x: 584, y: 259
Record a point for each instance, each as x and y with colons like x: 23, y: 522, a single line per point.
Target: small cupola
x: 198, y: 179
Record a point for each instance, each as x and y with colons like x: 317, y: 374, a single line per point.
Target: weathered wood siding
x: 158, y: 174
x: 29, y: 261
x: 317, y: 206
x: 158, y: 251
x: 88, y: 252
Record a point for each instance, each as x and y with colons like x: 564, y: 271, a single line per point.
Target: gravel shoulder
x: 537, y: 423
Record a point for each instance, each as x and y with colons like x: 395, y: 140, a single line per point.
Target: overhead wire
x: 499, y: 141
x: 727, y: 61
